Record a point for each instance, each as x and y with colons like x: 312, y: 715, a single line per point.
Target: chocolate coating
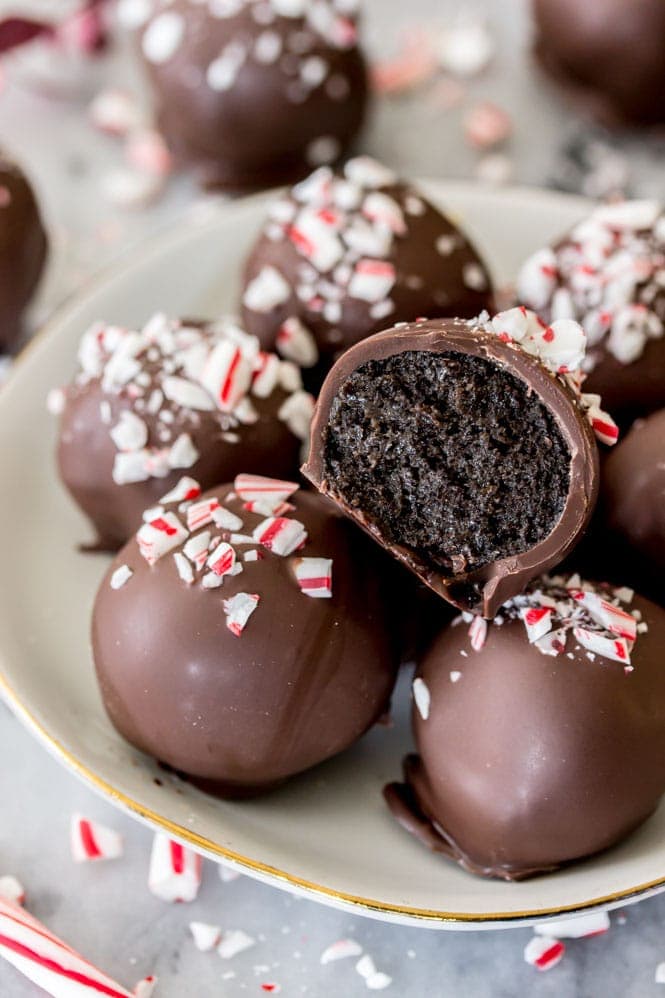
x: 527, y: 761
x: 257, y: 94
x: 22, y: 250
x: 633, y: 507
x: 608, y: 53
x: 483, y: 588
x: 372, y: 218
x: 608, y: 273
x: 303, y: 681
x: 87, y: 454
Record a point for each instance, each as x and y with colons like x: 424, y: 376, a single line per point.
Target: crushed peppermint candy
x: 202, y: 537
x: 562, y: 347
x: 544, y: 952
x: 341, y: 234
x: 91, y: 841
x: 421, y: 697
x: 560, y: 613
x: 609, y: 275
x: 172, y: 374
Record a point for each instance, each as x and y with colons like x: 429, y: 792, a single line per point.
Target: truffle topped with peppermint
x: 608, y: 273
x: 243, y: 635
x: 22, y: 250
x: 343, y: 255
x: 253, y: 93
x: 467, y: 449
x: 175, y: 396
x: 541, y: 733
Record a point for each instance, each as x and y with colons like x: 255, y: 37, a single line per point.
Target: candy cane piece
x: 175, y: 870
x: 91, y: 841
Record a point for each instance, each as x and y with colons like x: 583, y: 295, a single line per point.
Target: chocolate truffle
x: 633, y: 502
x: 608, y: 54
x: 608, y: 273
x: 244, y: 637
x: 465, y: 448
x: 343, y: 254
x: 22, y: 250
x: 146, y: 405
x: 541, y: 735
x: 253, y: 93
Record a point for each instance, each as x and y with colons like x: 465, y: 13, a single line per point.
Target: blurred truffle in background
x: 253, y: 94
x: 610, y: 54
x: 22, y: 250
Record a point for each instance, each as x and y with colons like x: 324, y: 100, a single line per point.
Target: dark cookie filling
x: 449, y: 455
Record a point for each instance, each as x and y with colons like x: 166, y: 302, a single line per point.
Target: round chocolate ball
x: 633, y: 501
x: 254, y: 646
x: 609, y: 274
x: 22, y: 250
x: 541, y: 734
x: 147, y: 406
x: 609, y: 55
x: 343, y: 255
x: 252, y: 94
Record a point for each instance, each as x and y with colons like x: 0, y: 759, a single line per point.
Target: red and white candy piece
x: 196, y: 548
x: 478, y: 633
x: 544, y: 952
x: 266, y: 374
x: 372, y: 280
x: 314, y: 234
x: 611, y: 617
x: 537, y: 621
x: 382, y: 209
x: 314, y: 577
x: 159, y: 536
x: 11, y: 889
x: 537, y: 279
x: 250, y: 488
x: 121, y: 575
x: 222, y: 559
x: 579, y: 927
x: 603, y: 425
x: 238, y: 610
x: 186, y: 490
x: 227, y: 375
x: 341, y: 950
x: 175, y: 870
x: 91, y: 841
x: 615, y: 649
x: 295, y: 342
x: 186, y: 394
x: 280, y: 535
x: 47, y: 961
x: 199, y: 514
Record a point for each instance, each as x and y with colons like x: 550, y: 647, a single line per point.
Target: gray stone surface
x: 106, y: 911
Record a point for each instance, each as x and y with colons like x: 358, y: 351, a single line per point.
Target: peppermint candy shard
x: 91, y: 841
x: 234, y: 941
x: 11, y: 889
x: 175, y: 870
x: 478, y: 633
x: 159, y: 536
x: 579, y: 927
x: 421, y: 697
x: 341, y: 950
x: 280, y: 535
x: 206, y: 937
x: 544, y: 952
x: 314, y: 576
x: 238, y: 610
x: 254, y: 488
x: 222, y: 560
x: 187, y: 489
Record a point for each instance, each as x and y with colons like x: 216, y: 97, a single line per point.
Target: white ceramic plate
x: 326, y: 834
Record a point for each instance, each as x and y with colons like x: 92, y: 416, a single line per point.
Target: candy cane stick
x: 47, y: 961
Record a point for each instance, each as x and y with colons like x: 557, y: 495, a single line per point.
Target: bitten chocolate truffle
x: 633, y: 501
x: 541, y: 734
x: 464, y: 448
x: 244, y: 637
x: 344, y: 254
x: 146, y: 405
x: 608, y: 273
x: 608, y: 54
x: 22, y: 250
x: 253, y: 93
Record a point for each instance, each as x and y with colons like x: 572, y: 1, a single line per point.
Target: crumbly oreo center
x: 448, y: 455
